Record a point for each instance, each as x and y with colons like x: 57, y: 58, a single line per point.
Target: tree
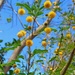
x: 64, y: 52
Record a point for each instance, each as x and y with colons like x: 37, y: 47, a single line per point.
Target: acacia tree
x: 62, y: 61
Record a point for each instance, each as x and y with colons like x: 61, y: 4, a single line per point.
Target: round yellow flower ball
x: 21, y: 11
x: 68, y: 35
x: 14, y: 65
x: 23, y: 31
x: 60, y: 44
x: 51, y: 68
x: 20, y: 34
x: 73, y: 27
x: 29, y: 19
x: 56, y: 51
x: 44, y: 43
x: 29, y: 43
x: 60, y: 53
x: 51, y: 14
x: 47, y: 4
x: 47, y: 30
x: 16, y: 71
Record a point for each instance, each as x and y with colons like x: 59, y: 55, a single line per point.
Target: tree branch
x: 69, y: 62
x: 1, y: 3
x: 19, y: 48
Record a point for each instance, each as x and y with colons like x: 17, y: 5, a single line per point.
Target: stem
x: 69, y: 62
x: 29, y: 60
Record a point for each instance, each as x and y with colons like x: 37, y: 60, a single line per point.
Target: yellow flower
x: 47, y: 4
x: 51, y: 14
x: 21, y: 11
x: 73, y: 27
x: 29, y: 19
x: 20, y: 34
x: 44, y: 43
x: 47, y: 30
x: 60, y: 53
x: 29, y: 27
x: 51, y: 68
x: 68, y: 35
x: 36, y: 1
x: 29, y: 43
x: 16, y: 71
x: 60, y: 44
x: 23, y: 31
x: 56, y: 51
x: 14, y: 65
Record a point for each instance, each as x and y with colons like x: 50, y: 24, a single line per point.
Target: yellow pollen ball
x: 16, y: 71
x: 14, y: 65
x: 29, y: 43
x: 73, y: 27
x: 47, y: 4
x: 51, y: 14
x: 44, y: 43
x: 21, y: 11
x: 29, y: 19
x: 60, y: 53
x: 47, y: 30
x: 20, y: 34
x: 56, y: 51
x: 68, y: 35
x: 51, y: 68
x: 24, y: 32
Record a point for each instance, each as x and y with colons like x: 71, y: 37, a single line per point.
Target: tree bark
x: 69, y: 62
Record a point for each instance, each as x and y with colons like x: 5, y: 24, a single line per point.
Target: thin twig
x: 16, y: 14
x: 37, y: 22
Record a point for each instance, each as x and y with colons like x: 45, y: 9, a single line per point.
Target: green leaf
x: 41, y: 8
x: 31, y: 73
x: 64, y: 28
x: 21, y: 74
x: 21, y: 56
x: 11, y: 72
x: 52, y: 59
x: 8, y: 44
x: 39, y: 13
x: 31, y: 13
x: 1, y: 41
x: 1, y: 68
x: 9, y: 48
x: 25, y: 6
x: 39, y: 61
x: 53, y: 29
x: 39, y: 51
x: 8, y: 20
